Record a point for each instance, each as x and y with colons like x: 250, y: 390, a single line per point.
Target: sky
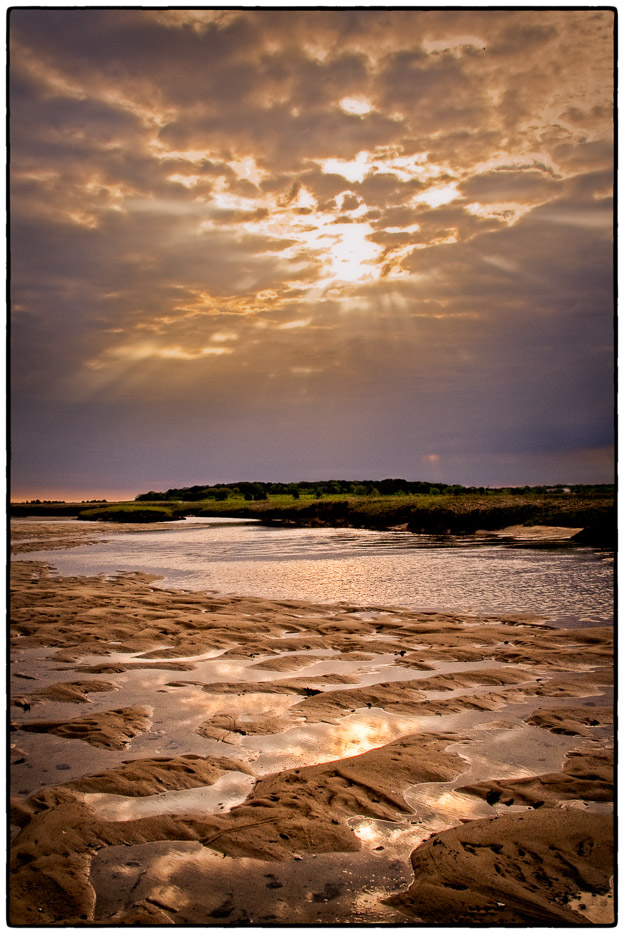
x: 309, y: 244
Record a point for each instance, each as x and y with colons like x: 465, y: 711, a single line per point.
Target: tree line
x: 261, y: 490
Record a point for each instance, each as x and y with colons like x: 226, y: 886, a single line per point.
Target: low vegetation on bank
x: 133, y: 512
x: 416, y: 506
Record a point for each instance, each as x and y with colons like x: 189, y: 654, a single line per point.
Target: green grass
x: 132, y: 512
x: 425, y: 512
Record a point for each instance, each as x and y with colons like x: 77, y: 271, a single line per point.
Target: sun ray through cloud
x: 202, y: 200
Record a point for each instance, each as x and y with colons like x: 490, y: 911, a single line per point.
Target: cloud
x: 522, y: 187
x: 380, y: 218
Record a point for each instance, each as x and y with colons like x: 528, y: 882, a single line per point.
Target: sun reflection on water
x: 312, y: 744
x: 366, y: 832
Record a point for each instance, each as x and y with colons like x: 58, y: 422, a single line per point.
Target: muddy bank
x: 517, y: 869
x: 253, y: 761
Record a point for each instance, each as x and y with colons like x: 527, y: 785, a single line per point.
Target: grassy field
x: 457, y: 512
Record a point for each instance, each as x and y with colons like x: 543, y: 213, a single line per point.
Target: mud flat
x: 193, y: 758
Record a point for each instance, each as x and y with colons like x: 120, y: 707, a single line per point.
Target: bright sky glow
x: 356, y: 105
x: 354, y: 170
x: 438, y: 195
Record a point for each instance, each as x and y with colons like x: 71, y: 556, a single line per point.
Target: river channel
x: 570, y: 586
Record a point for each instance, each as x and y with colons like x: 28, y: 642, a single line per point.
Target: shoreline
x: 420, y: 585
x: 591, y: 514
x: 302, y: 757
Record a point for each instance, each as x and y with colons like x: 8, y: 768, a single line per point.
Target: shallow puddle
x: 520, y: 753
x: 219, y: 798
x: 315, y: 743
x: 385, y: 838
x: 180, y: 706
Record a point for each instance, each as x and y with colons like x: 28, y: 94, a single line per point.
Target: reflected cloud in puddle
x: 229, y: 790
x: 313, y: 744
x: 506, y: 753
x: 385, y: 838
x: 440, y: 807
x: 523, y: 753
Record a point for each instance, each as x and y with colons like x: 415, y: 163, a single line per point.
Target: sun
x: 352, y: 257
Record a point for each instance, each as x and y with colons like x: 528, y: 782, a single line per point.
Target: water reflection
x: 358, y: 566
x: 520, y: 753
x: 400, y: 838
x: 312, y: 744
x: 220, y: 797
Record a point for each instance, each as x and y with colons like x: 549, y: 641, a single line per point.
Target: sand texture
x: 112, y: 729
x: 195, y: 758
x: 507, y: 870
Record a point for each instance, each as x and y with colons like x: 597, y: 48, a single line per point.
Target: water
x: 568, y: 586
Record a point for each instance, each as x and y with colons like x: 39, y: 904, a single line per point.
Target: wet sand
x: 195, y: 758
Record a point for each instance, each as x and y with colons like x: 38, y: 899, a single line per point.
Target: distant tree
x: 391, y: 487
x: 331, y: 487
